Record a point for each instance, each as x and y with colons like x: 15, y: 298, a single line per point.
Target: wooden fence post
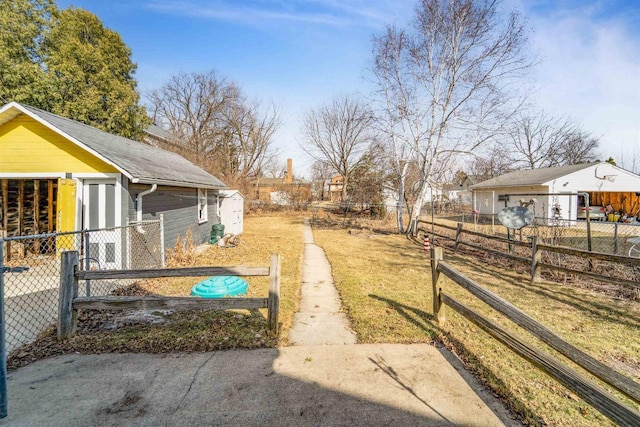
x: 273, y: 304
x: 67, y: 316
x: 535, y: 260
x: 458, y: 233
x: 437, y: 283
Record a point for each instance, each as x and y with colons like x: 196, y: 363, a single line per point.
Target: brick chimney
x: 288, y: 179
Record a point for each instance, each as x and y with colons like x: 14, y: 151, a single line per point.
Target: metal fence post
x: 3, y: 348
x: 127, y: 246
x: 162, y: 240
x: 67, y: 316
x: 273, y: 303
x: 87, y: 261
x: 615, y: 238
x: 588, y: 221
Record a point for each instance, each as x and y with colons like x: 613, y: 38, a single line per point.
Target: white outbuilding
x: 231, y: 211
x: 559, y: 191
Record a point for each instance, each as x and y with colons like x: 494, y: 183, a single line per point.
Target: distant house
x: 438, y: 193
x: 558, y: 191
x: 461, y: 192
x: 335, y: 188
x: 281, y: 191
x: 78, y: 177
x: 160, y: 138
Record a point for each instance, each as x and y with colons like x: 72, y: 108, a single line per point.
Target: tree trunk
x: 343, y: 195
x: 400, y: 206
x: 399, y: 209
x: 417, y: 208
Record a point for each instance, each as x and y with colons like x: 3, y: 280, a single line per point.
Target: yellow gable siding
x: 27, y: 146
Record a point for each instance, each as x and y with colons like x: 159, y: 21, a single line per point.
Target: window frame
x: 202, y: 205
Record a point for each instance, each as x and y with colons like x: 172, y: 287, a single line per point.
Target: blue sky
x: 301, y: 53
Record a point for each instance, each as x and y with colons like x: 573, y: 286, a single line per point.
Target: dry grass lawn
x: 385, y: 284
x: 262, y: 236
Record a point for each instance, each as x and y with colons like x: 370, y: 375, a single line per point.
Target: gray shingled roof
x: 158, y: 132
x: 140, y: 162
x: 531, y: 176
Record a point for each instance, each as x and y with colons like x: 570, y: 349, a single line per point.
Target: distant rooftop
x: 531, y: 176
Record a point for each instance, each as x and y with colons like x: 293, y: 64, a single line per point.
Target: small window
x: 202, y: 205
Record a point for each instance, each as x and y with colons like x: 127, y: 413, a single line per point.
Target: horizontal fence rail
x: 172, y: 272
x: 535, y: 258
x: 166, y: 303
x: 611, y: 377
x: 70, y: 302
x: 592, y: 393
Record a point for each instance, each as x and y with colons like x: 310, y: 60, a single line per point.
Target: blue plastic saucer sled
x: 220, y: 286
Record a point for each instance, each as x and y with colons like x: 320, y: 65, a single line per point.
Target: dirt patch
x: 128, y: 404
x: 151, y: 332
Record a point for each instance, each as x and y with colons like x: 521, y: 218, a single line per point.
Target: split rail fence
x: 70, y: 302
x: 535, y: 250
x: 592, y: 393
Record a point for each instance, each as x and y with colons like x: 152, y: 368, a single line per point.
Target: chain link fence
x: 30, y: 269
x: 607, y: 237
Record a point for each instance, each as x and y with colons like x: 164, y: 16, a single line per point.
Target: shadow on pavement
x: 423, y: 320
x: 319, y: 385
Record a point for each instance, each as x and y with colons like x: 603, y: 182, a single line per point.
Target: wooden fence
x: 70, y: 303
x: 592, y: 393
x: 535, y: 259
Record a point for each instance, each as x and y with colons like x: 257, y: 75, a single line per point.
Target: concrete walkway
x: 320, y: 319
x: 302, y: 385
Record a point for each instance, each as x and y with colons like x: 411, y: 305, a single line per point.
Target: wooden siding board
x: 48, y: 151
x: 180, y: 210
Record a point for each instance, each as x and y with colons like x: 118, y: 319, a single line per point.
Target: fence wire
x: 607, y: 237
x: 31, y: 271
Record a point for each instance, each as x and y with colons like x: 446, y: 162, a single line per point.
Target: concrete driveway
x: 31, y: 300
x: 372, y: 384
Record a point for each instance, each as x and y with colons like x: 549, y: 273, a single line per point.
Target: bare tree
x: 630, y: 160
x: 252, y: 128
x: 448, y: 81
x: 394, y: 123
x: 338, y: 134
x: 220, y: 130
x: 497, y: 161
x: 274, y: 168
x: 580, y: 147
x: 366, y: 187
x: 192, y: 107
x: 538, y: 141
x: 321, y: 173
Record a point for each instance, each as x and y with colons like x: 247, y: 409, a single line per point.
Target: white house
x: 559, y: 190
x: 390, y: 196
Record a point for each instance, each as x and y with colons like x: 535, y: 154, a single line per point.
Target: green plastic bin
x: 217, y: 231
